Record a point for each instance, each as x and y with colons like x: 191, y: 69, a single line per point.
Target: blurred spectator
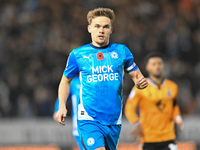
x: 36, y: 37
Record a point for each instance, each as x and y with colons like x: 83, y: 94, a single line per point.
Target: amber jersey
x: 157, y: 109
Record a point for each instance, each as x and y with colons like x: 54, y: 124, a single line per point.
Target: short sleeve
x: 71, y: 67
x: 129, y: 65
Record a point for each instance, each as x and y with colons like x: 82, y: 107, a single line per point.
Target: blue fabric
x: 94, y: 135
x: 101, y: 75
x: 71, y: 69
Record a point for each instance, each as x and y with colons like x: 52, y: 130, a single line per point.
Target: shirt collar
x: 155, y: 84
x: 103, y: 47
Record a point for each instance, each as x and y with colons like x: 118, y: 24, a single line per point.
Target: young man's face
x: 155, y: 67
x: 100, y: 29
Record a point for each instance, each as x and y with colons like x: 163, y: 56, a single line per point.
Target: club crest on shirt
x: 90, y: 141
x: 160, y: 105
x: 100, y: 56
x: 169, y: 94
x: 114, y: 55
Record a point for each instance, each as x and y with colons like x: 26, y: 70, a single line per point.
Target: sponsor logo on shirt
x: 88, y: 57
x: 102, y: 73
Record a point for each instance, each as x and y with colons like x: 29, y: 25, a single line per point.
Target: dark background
x: 36, y: 37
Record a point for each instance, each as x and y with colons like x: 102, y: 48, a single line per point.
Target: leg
x: 91, y: 135
x: 78, y: 141
x: 112, y: 136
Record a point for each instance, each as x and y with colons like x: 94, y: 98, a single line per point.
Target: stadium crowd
x: 36, y: 37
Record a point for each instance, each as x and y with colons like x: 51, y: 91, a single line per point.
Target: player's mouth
x: 101, y: 37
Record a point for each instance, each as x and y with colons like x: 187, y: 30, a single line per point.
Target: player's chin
x: 157, y: 75
x: 102, y: 43
x: 99, y: 40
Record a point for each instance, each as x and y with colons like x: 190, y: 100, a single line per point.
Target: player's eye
x: 153, y: 64
x: 97, y: 26
x: 106, y: 27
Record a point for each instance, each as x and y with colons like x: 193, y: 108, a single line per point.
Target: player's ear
x: 89, y: 28
x: 147, y: 68
x: 111, y: 30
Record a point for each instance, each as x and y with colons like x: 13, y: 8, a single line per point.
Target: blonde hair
x: 107, y: 12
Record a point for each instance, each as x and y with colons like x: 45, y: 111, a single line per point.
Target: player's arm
x: 63, y: 94
x: 131, y: 106
x: 132, y: 69
x: 138, y: 78
x: 130, y: 113
x: 176, y: 115
x: 64, y: 87
x: 56, y: 107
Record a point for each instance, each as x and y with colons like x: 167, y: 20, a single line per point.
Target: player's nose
x: 101, y: 30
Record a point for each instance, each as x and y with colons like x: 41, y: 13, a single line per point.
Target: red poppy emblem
x: 100, y: 56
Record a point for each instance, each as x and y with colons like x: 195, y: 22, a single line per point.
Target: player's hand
x: 54, y: 116
x: 178, y: 120
x: 61, y: 115
x: 136, y: 133
x: 140, y: 82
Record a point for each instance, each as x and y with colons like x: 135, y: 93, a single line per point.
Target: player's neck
x: 157, y: 80
x: 96, y: 47
x: 100, y: 45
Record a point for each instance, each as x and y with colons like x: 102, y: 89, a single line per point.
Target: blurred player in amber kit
x: 158, y: 108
